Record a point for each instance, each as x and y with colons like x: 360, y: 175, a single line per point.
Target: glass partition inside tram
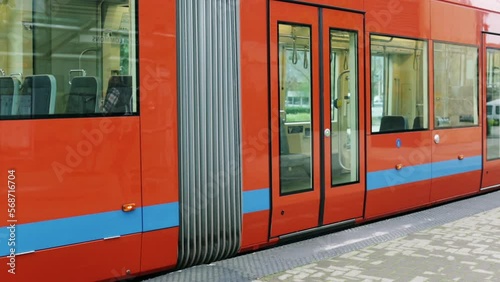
x: 67, y: 58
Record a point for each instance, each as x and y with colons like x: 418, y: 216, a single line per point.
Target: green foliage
x: 298, y: 117
x: 297, y: 110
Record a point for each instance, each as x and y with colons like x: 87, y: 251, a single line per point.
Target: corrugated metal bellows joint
x: 209, y: 130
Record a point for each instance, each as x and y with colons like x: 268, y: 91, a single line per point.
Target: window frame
x: 478, y: 82
x: 333, y: 85
x: 133, y: 60
x: 494, y: 110
x: 282, y: 192
x: 425, y: 75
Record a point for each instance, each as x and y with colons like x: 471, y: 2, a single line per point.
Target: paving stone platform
x: 459, y: 241
x: 464, y: 250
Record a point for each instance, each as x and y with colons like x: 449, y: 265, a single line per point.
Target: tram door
x: 316, y: 124
x: 491, y: 119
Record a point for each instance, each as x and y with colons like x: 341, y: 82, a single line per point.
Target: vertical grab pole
x: 339, y: 91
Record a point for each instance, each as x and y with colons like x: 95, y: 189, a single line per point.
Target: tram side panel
x: 71, y: 179
x: 255, y: 124
x: 491, y: 61
x: 159, y: 145
x: 76, y: 211
x: 481, y: 4
x: 399, y: 139
x: 343, y: 4
x: 457, y: 136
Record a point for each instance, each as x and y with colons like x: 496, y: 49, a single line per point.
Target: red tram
x: 139, y: 136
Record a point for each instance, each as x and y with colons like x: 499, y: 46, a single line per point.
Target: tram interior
x: 398, y: 84
x: 295, y: 96
x: 66, y: 54
x: 344, y: 104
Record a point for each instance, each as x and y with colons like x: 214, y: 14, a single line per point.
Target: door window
x: 295, y: 97
x: 344, y: 107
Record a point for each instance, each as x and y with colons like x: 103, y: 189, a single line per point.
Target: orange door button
x: 460, y: 157
x: 128, y: 207
x: 399, y: 166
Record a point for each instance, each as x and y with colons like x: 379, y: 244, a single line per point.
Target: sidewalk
x: 464, y: 250
x: 458, y: 241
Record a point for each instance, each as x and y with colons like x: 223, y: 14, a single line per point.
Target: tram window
x: 399, y: 100
x: 455, y: 85
x: 493, y: 103
x: 344, y: 111
x: 295, y: 108
x: 69, y: 55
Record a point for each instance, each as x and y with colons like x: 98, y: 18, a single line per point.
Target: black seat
x: 417, y: 123
x: 122, y: 84
x: 392, y: 123
x: 9, y: 90
x: 289, y: 160
x: 38, y: 95
x: 83, y: 95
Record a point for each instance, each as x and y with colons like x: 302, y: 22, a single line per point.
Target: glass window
x: 493, y: 103
x: 67, y: 58
x: 295, y: 108
x: 399, y: 100
x: 455, y: 85
x: 344, y: 101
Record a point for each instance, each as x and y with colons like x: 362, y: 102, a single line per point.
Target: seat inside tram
x: 38, y: 95
x: 9, y: 91
x: 83, y: 95
x: 60, y: 57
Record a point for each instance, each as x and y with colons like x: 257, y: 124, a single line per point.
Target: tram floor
x: 458, y: 241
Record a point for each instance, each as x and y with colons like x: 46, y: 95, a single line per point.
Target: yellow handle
x: 128, y: 207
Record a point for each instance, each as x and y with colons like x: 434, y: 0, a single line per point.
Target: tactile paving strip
x: 263, y: 263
